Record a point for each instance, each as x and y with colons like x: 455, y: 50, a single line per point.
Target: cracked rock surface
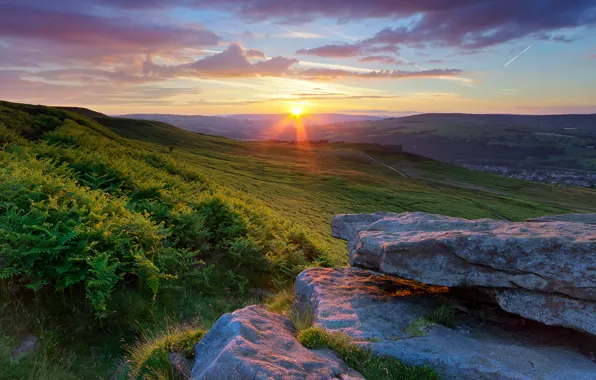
x: 377, y: 311
x: 253, y: 343
x: 537, y: 268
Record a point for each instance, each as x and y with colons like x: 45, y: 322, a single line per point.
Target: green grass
x: 302, y: 316
x: 363, y: 360
x: 149, y: 358
x: 310, y: 184
x: 442, y: 316
x: 281, y: 302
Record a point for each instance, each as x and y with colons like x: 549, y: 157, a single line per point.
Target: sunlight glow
x: 297, y: 111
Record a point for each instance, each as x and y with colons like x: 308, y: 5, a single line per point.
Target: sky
x: 375, y: 57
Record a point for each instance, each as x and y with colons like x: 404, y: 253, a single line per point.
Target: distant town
x: 558, y: 177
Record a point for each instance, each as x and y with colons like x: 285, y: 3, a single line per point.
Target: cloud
x: 80, y: 34
x: 232, y: 62
x: 18, y: 85
x: 381, y: 58
x: 469, y: 24
x: 386, y: 74
x: 254, y: 53
x: 333, y: 51
x: 78, y: 76
x: 480, y: 24
x: 289, y: 99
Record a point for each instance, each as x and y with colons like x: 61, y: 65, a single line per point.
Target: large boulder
x: 253, y: 343
x: 379, y: 312
x: 545, y: 263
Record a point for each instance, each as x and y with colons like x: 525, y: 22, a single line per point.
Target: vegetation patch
x: 281, y: 302
x: 442, y: 316
x: 302, y: 316
x: 150, y: 357
x: 363, y: 360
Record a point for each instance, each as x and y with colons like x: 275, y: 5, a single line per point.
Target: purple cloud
x: 485, y: 23
x: 90, y: 32
x: 254, y: 53
x: 232, y: 62
x: 382, y: 59
x: 318, y: 74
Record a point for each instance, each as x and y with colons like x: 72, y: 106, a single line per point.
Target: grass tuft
x: 363, y: 360
x: 302, y: 316
x: 442, y: 316
x: 281, y: 302
x: 149, y: 359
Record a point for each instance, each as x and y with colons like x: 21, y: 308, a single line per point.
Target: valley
x: 558, y: 149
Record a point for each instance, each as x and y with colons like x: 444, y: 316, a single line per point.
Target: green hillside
x: 550, y: 142
x: 112, y: 229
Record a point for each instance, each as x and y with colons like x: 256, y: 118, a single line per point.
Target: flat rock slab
x: 253, y: 343
x: 377, y: 310
x: 550, y: 262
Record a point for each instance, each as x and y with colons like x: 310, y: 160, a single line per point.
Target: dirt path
x: 385, y: 165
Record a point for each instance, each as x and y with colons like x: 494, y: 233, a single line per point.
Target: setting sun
x: 297, y: 111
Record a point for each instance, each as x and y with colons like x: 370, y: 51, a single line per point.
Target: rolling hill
x: 245, y: 126
x: 514, y: 142
x: 548, y: 142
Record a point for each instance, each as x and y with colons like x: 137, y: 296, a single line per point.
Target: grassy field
x: 118, y: 230
x: 311, y: 183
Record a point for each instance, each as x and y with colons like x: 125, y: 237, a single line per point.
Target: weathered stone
x: 550, y: 309
x: 181, y: 365
x: 252, y: 343
x: 29, y: 343
x: 573, y: 218
x: 377, y: 310
x: 551, y: 257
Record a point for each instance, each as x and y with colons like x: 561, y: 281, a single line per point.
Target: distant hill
x: 529, y: 141
x: 497, y: 143
x: 313, y: 119
x: 248, y: 126
x: 211, y: 125
x: 83, y: 111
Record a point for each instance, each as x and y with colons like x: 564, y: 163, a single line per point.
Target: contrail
x: 291, y: 31
x: 517, y: 56
x: 341, y: 35
x: 410, y: 62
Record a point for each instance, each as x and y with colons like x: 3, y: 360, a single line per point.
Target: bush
x: 57, y: 234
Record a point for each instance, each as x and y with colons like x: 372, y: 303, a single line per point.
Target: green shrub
x: 81, y: 208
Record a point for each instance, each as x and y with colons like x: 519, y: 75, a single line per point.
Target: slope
x: 310, y: 183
